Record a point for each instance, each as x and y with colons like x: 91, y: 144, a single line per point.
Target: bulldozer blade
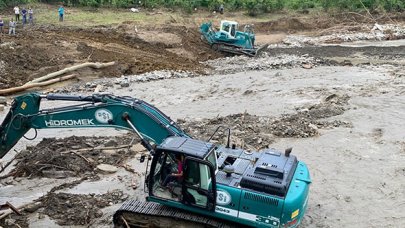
x: 261, y: 50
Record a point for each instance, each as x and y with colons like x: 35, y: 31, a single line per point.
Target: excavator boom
x: 88, y: 111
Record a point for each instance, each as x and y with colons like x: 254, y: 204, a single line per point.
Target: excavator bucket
x: 12, y: 129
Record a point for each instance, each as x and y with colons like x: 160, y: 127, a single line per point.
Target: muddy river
x: 358, y: 169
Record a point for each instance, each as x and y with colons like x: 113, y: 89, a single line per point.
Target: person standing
x: 17, y: 13
x: 1, y: 25
x: 221, y: 9
x: 11, y: 27
x: 30, y: 16
x: 61, y: 11
x: 24, y: 16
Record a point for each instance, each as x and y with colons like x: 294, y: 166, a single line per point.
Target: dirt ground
x: 340, y: 105
x: 44, y: 49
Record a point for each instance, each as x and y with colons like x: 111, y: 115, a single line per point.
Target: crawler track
x: 141, y: 214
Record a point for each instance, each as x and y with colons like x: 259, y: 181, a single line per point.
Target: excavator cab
x: 229, y: 28
x: 183, y: 173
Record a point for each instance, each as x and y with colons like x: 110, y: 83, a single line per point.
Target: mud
x: 70, y: 157
x: 75, y: 209
x: 44, y: 49
x: 15, y: 221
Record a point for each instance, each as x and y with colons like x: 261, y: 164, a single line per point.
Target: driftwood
x: 3, y: 167
x: 69, y: 69
x: 100, y: 148
x: 38, y: 84
x: 84, y: 158
x: 51, y: 78
x: 9, y: 211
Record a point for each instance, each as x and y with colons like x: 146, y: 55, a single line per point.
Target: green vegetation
x: 253, y: 7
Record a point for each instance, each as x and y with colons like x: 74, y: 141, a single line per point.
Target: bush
x: 394, y: 5
x: 301, y: 4
x: 10, y: 3
x: 272, y: 5
x: 253, y: 7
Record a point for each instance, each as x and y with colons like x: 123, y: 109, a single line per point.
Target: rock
x: 134, y: 10
x: 107, y: 168
x: 9, y: 222
x: 124, y: 84
x: 278, y: 74
x: 1, y: 108
x: 90, y: 85
x: 8, y: 44
x: 98, y: 213
x: 138, y: 148
x: 18, y: 179
x: 307, y: 66
x: 247, y: 92
x: 98, y: 89
x: 3, y: 100
x: 9, y: 181
x: 111, y: 143
x: 58, y: 174
x: 313, y: 126
x: 110, y: 151
x: 33, y: 207
x: 347, y: 63
x: 377, y: 27
x: 135, y: 184
x: 75, y: 147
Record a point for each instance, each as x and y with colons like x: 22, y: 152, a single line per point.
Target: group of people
x: 13, y: 22
x: 24, y: 12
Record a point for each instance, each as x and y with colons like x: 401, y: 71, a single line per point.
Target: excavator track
x: 134, y: 213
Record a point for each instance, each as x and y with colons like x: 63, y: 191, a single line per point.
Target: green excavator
x: 219, y: 185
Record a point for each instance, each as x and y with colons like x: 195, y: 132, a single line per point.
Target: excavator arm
x: 95, y: 111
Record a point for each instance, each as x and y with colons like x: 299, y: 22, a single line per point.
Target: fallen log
x: 96, y: 65
x: 9, y: 211
x: 33, y: 85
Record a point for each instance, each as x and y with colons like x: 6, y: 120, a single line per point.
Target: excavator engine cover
x: 271, y: 173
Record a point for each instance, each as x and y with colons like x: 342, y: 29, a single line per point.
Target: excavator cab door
x: 199, y: 185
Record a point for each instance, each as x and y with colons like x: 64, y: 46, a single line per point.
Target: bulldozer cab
x: 183, y: 171
x: 229, y: 27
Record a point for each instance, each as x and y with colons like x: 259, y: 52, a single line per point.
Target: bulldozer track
x: 135, y: 207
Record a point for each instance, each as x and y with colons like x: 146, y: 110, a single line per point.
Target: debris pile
x: 266, y: 61
x: 75, y: 209
x: 73, y: 156
x: 14, y: 220
x: 246, y: 130
x: 308, y: 118
x: 100, y: 85
x: 258, y: 132
x: 377, y: 32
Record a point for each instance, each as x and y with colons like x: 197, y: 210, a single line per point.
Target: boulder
x: 107, y: 168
